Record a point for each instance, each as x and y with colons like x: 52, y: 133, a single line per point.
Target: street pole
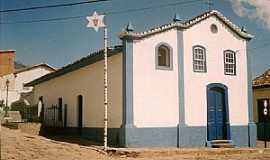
x: 105, y: 88
x: 97, y: 21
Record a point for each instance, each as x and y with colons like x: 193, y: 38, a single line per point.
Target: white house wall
x: 27, y: 76
x: 16, y: 82
x: 88, y: 82
x: 195, y: 83
x: 155, y: 91
x: 13, y: 93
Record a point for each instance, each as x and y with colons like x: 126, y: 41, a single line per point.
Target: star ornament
x: 95, y: 21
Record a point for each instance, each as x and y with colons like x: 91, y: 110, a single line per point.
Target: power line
x: 51, y: 6
x: 153, y: 7
x: 107, y: 13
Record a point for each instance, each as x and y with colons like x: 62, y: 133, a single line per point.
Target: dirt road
x: 21, y: 146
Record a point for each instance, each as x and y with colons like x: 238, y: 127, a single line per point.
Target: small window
x: 214, y: 28
x: 229, y: 63
x: 164, y: 57
x: 199, y: 59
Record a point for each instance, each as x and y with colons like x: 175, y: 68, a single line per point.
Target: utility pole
x: 105, y: 88
x: 97, y: 21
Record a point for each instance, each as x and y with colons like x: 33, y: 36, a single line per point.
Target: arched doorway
x: 218, y: 127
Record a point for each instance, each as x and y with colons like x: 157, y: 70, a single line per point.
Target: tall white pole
x: 96, y: 22
x: 105, y: 88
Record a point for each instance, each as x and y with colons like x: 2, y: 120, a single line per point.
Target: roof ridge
x: 28, y: 67
x: 187, y: 24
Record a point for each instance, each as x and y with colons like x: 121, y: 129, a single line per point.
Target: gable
x: 213, y: 28
x: 186, y: 25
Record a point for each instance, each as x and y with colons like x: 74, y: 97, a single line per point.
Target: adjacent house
x: 13, y: 76
x: 185, y: 83
x: 261, y: 94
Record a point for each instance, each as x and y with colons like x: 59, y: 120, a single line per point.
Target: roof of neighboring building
x: 7, y: 51
x: 187, y: 24
x: 262, y: 80
x: 30, y: 67
x: 85, y: 61
x: 19, y: 65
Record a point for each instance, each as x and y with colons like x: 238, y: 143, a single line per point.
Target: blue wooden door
x: 216, y: 114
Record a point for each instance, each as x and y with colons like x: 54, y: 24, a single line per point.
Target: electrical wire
x: 106, y: 13
x: 52, y: 6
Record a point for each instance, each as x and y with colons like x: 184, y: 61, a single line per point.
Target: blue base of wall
x: 97, y: 135
x: 239, y: 135
x: 242, y: 136
x: 252, y: 130
x: 192, y: 136
x: 147, y: 137
x: 180, y: 136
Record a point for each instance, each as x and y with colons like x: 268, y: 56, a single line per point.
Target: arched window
x: 199, y: 59
x: 163, y: 57
x: 229, y: 63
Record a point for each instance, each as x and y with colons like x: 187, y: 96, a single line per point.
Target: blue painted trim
x: 192, y: 136
x: 240, y: 135
x: 181, y: 83
x: 252, y: 126
x: 170, y: 56
x: 127, y: 82
x: 127, y: 120
x: 250, y: 100
x: 225, y: 88
x: 252, y: 134
x: 151, y: 137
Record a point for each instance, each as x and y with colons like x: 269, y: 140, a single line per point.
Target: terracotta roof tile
x: 262, y: 80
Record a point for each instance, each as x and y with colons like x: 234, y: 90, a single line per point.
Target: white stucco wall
x: 155, y: 91
x: 88, y: 82
x: 156, y: 100
x: 28, y: 76
x: 13, y: 94
x: 16, y: 82
x: 195, y: 83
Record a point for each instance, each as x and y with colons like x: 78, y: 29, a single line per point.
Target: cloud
x: 258, y: 10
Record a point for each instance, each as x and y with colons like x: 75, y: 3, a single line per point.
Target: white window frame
x: 229, y: 62
x: 199, y: 59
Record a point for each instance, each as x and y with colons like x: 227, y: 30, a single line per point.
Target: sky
x: 59, y: 43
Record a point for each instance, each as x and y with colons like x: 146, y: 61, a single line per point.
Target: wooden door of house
x: 80, y: 113
x: 216, y: 114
